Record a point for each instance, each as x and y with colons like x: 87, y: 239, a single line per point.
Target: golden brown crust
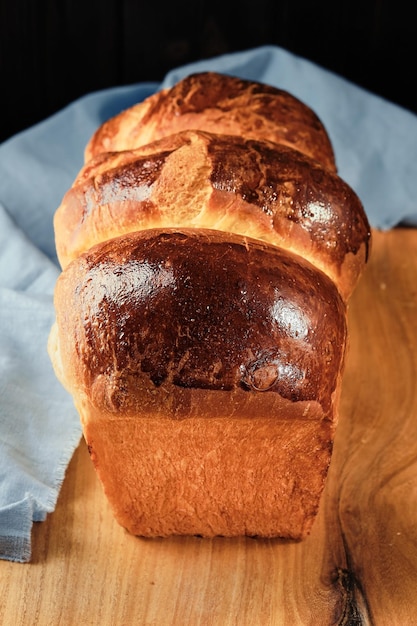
x: 201, y: 311
x: 204, y: 180
x: 228, y: 477
x: 196, y: 326
x: 217, y: 103
x: 223, y: 312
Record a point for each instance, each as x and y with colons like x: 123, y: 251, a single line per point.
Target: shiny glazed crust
x: 217, y: 103
x: 193, y: 347
x: 208, y: 250
x: 203, y: 180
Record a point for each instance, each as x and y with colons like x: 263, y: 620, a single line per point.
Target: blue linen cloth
x: 375, y: 143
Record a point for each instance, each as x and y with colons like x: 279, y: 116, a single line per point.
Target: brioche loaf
x: 201, y: 310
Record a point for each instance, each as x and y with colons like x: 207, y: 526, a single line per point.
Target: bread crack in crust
x: 204, y: 180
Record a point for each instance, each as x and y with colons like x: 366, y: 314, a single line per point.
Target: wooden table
x: 358, y: 566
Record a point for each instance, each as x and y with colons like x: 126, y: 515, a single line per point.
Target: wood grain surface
x: 358, y: 566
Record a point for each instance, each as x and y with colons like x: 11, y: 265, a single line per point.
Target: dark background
x: 53, y: 51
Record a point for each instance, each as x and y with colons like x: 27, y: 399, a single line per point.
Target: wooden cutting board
x: 358, y: 566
